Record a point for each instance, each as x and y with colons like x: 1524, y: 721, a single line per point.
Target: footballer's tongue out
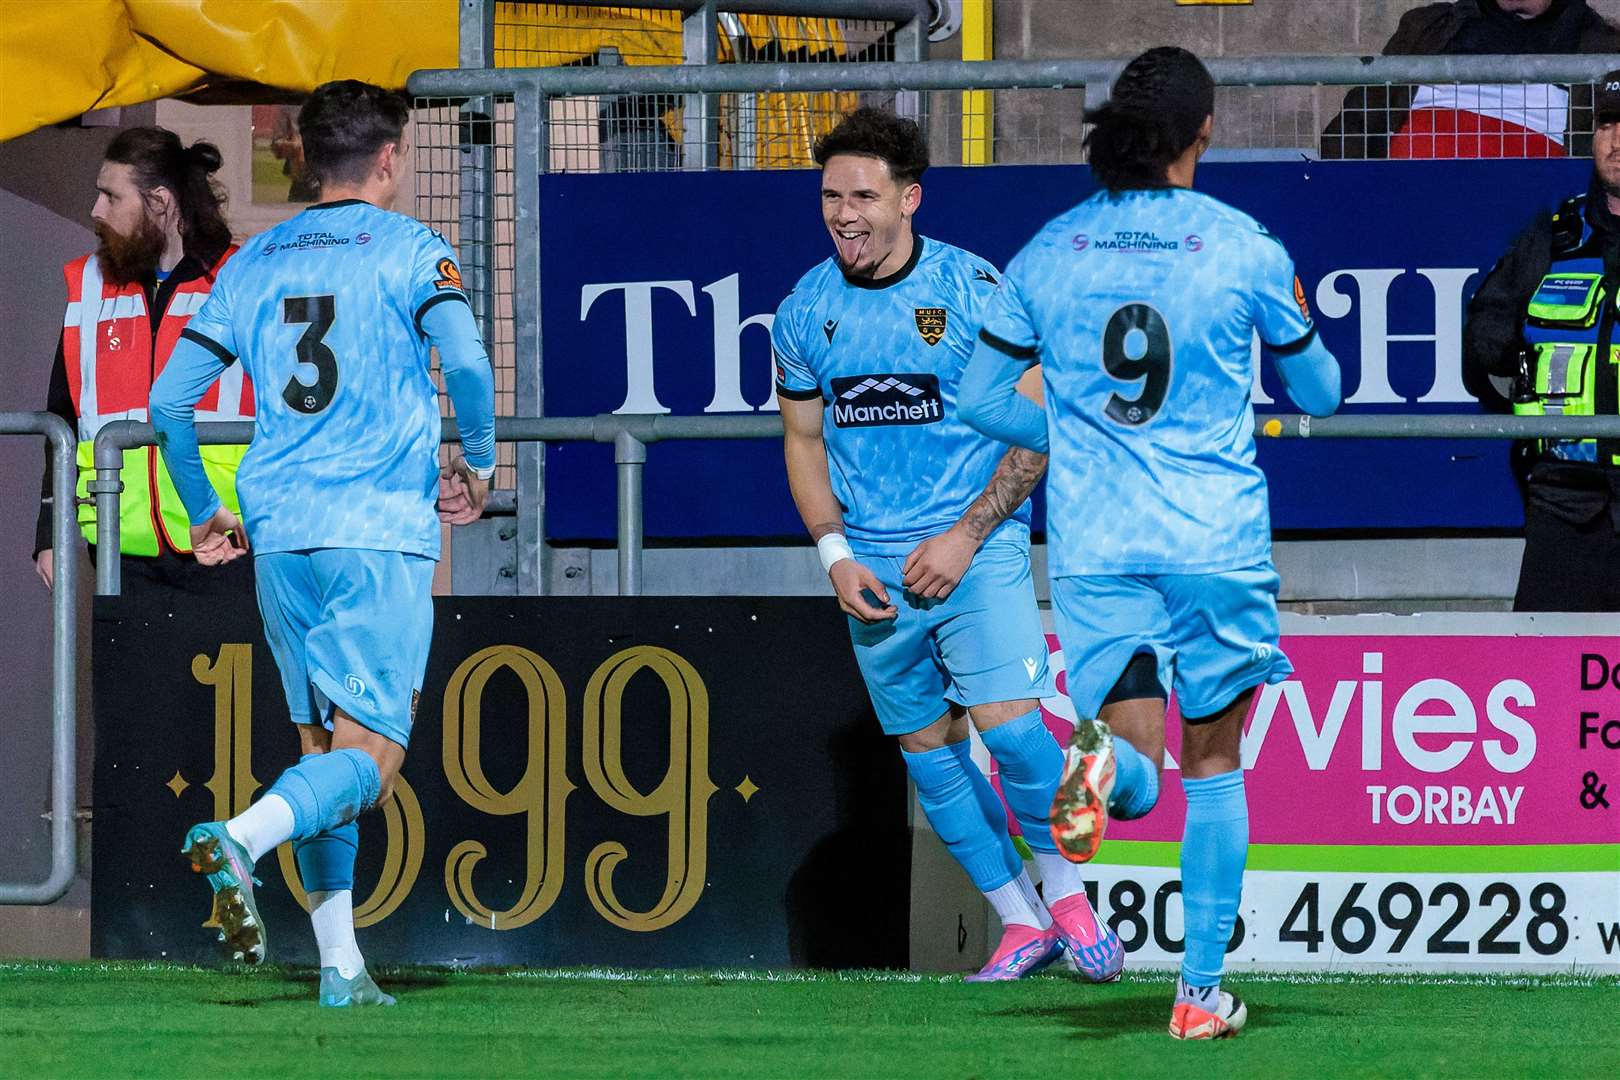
x: 852, y: 245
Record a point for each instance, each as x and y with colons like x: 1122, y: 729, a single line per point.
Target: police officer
x: 1540, y: 337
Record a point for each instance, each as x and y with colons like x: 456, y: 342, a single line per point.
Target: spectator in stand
x: 1537, y: 120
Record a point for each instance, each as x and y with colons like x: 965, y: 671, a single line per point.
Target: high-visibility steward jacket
x: 1573, y: 364
x: 113, y: 357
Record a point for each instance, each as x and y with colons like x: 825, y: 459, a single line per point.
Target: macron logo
x: 1030, y: 665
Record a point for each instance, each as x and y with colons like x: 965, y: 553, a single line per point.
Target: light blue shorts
x: 349, y: 628
x: 1212, y: 635
x: 981, y: 644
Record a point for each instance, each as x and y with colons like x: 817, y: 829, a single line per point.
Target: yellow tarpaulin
x: 65, y: 57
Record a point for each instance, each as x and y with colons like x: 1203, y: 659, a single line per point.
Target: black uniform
x: 1572, y: 508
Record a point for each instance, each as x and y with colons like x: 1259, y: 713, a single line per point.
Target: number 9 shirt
x: 1141, y: 308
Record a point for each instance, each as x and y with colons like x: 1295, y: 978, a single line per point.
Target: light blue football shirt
x: 1141, y: 308
x: 325, y: 311
x: 886, y: 356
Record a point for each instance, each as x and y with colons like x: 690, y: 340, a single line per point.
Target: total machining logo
x: 1131, y: 241
x: 876, y: 400
x: 312, y: 240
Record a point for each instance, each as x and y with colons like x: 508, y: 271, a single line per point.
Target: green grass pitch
x: 149, y: 1020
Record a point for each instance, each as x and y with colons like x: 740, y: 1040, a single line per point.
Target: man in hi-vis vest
x: 1541, y: 339
x: 163, y: 238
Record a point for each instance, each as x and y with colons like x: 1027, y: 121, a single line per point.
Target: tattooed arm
x: 936, y: 566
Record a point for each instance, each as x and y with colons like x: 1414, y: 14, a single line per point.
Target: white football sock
x: 263, y: 826
x: 1060, y: 878
x: 1205, y: 997
x: 332, y: 915
x: 1018, y: 902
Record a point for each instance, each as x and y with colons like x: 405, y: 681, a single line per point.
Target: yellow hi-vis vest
x: 113, y: 358
x: 1568, y: 323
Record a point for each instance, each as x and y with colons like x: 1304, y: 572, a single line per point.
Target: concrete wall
x: 1030, y: 29
x: 1044, y: 126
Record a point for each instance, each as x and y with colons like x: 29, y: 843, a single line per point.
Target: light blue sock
x: 328, y: 790
x: 1031, y: 764
x: 990, y: 804
x: 949, y: 788
x: 1136, y: 782
x: 326, y: 860
x: 1214, y: 848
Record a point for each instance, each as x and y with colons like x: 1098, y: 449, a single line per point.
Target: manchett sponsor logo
x: 363, y: 238
x: 268, y: 249
x: 1081, y: 241
x: 873, y: 400
x: 1194, y: 242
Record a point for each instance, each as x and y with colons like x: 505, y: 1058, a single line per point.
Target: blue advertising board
x: 658, y: 292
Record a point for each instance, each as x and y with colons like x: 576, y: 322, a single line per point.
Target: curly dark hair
x: 1157, y: 107
x: 344, y: 123
x: 157, y: 159
x: 878, y: 133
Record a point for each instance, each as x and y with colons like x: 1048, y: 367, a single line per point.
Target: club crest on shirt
x: 449, y: 275
x: 1299, y: 298
x: 930, y: 323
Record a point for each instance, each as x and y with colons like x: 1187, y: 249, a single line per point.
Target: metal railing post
x: 106, y: 489
x: 476, y: 142
x: 629, y: 459
x: 911, y: 47
x: 64, y: 656
x: 529, y: 389
x: 700, y: 124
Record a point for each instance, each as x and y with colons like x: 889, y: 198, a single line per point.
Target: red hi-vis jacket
x: 113, y: 357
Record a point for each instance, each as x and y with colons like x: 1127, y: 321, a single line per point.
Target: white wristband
x: 833, y: 548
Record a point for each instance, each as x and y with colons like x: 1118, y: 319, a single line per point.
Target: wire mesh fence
x: 466, y: 149
x: 649, y: 133
x: 652, y: 132
x: 463, y: 154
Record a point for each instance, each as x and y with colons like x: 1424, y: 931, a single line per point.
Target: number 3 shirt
x: 885, y: 355
x: 1141, y: 308
x: 325, y: 310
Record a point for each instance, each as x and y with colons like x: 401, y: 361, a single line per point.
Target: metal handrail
x: 64, y: 656
x: 998, y: 74
x: 631, y: 434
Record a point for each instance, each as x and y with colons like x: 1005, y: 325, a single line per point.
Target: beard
x: 132, y: 258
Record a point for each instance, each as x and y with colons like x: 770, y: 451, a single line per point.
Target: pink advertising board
x: 1433, y: 791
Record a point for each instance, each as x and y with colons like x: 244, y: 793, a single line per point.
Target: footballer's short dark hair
x: 878, y: 133
x: 345, y: 123
x: 1158, y: 105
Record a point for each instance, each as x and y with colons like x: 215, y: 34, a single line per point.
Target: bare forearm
x: 812, y: 488
x: 1015, y: 477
